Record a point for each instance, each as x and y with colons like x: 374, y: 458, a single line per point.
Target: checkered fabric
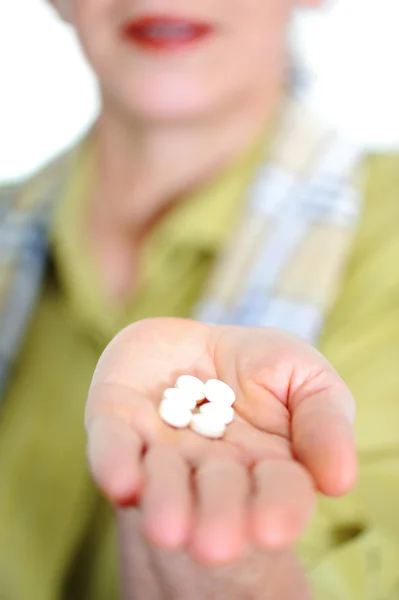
x: 284, y: 265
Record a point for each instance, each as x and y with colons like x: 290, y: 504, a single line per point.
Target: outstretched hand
x: 292, y: 437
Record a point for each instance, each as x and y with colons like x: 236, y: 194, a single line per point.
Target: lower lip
x: 165, y: 34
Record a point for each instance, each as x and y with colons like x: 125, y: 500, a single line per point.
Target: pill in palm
x: 192, y: 386
x: 175, y: 415
x: 179, y: 396
x: 207, y: 426
x: 219, y: 392
x: 221, y: 412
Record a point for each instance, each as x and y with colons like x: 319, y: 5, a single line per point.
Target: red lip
x: 160, y: 33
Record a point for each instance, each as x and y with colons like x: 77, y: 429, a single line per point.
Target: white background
x: 47, y: 93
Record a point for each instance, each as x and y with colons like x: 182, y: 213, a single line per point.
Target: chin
x: 161, y: 110
x: 168, y: 100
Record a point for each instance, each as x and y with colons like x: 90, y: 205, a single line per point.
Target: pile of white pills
x: 205, y: 407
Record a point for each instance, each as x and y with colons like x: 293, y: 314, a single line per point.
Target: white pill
x: 191, y: 386
x: 175, y: 415
x: 179, y: 396
x: 218, y: 411
x: 219, y: 392
x: 207, y: 426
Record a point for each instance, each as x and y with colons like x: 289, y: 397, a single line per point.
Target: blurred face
x: 165, y: 59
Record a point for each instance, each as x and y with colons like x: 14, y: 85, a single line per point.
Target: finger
x: 167, y: 499
x: 284, y: 500
x: 222, y: 487
x: 289, y: 389
x: 323, y: 438
x: 119, y: 424
x: 114, y: 452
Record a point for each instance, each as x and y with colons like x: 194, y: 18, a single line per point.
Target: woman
x: 196, y: 151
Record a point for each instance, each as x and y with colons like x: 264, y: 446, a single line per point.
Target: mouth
x: 159, y: 33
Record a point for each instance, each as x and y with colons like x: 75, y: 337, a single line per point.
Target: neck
x: 144, y: 168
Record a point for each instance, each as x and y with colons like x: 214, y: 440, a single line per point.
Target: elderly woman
x: 201, y: 192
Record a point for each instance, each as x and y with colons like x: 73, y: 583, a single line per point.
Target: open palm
x: 293, y: 436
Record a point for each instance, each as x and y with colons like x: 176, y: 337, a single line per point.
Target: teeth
x: 169, y: 30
